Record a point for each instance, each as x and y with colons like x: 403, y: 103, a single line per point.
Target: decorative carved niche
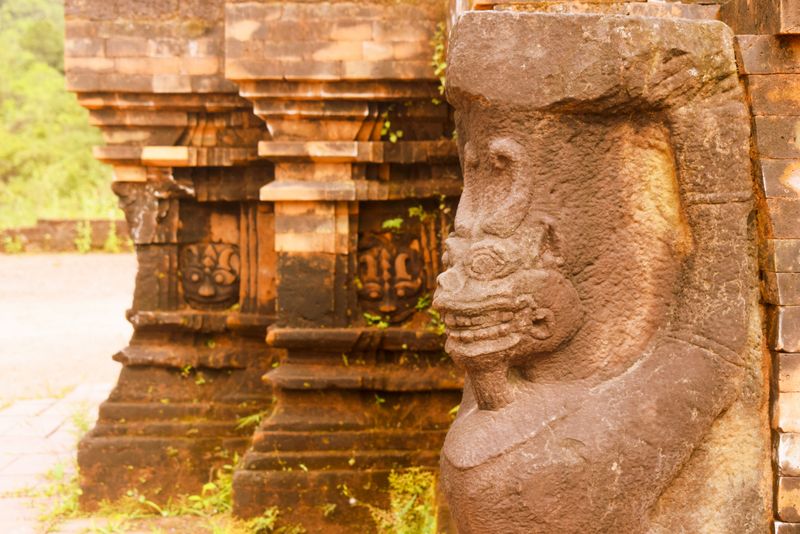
x: 210, y: 275
x: 399, y: 257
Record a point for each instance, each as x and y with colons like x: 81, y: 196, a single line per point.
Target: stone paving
x: 62, y: 317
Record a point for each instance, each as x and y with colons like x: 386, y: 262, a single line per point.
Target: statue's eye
x: 224, y: 278
x: 194, y: 277
x: 487, y: 264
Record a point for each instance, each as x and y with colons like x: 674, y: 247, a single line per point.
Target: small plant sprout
x: 376, y: 320
x: 393, y: 224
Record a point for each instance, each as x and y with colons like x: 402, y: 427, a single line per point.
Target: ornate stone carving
x: 210, y: 275
x: 600, y: 279
x: 390, y: 271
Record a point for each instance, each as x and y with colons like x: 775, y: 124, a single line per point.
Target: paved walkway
x: 62, y: 317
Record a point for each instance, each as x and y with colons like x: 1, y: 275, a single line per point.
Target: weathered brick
x: 778, y: 137
x: 76, y: 29
x: 784, y: 328
x: 349, y: 30
x: 786, y: 528
x: 784, y: 217
x: 373, y: 51
x: 312, y: 70
x: 788, y: 499
x: 775, y: 94
x: 790, y: 17
x: 413, y: 50
x: 780, y: 178
x: 768, y: 54
x: 126, y: 46
x: 199, y: 65
x: 786, y: 412
x: 212, y: 84
x: 88, y: 64
x: 781, y: 255
x: 787, y: 371
x: 84, y: 47
x: 403, y: 30
x: 781, y: 288
x: 249, y: 69
x: 243, y: 30
x: 339, y: 51
x: 171, y: 83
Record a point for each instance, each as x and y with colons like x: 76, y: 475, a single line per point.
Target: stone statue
x: 600, y: 281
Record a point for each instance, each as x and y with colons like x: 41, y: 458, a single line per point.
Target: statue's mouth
x: 470, y: 334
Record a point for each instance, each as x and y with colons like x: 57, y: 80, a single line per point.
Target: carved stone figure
x: 210, y: 275
x: 390, y: 272
x: 600, y: 281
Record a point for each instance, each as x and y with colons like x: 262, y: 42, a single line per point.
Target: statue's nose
x: 450, y: 280
x: 449, y: 284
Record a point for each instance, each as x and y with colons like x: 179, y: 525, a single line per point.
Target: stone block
x: 780, y: 178
x: 790, y: 17
x: 89, y: 64
x: 788, y: 499
x: 786, y: 528
x: 781, y: 255
x: 413, y: 50
x: 786, y: 412
x: 83, y: 47
x: 339, y: 51
x: 775, y: 94
x: 784, y: 328
x: 171, y: 83
x: 403, y: 30
x: 787, y: 371
x: 784, y: 217
x: 373, y: 51
x: 351, y: 30
x: 788, y: 451
x: 781, y: 288
x: 769, y: 54
x: 126, y: 46
x: 778, y: 137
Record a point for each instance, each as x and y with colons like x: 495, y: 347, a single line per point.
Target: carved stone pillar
x: 183, y: 145
x: 365, y: 177
x: 601, y: 284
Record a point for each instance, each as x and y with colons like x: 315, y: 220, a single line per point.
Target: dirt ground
x: 62, y: 317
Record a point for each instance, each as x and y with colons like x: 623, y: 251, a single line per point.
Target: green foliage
x: 83, y: 239
x: 250, y: 420
x: 112, y: 242
x: 439, y: 59
x: 46, y: 166
x: 386, y: 127
x: 392, y: 224
x: 435, y: 324
x: 412, y: 503
x: 13, y: 245
x: 423, y: 302
x: 376, y: 320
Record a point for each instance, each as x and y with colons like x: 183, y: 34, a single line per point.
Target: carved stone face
x: 210, y: 275
x: 502, y: 296
x: 390, y: 273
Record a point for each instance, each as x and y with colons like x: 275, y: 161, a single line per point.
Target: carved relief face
x: 391, y: 274
x: 210, y: 275
x: 502, y: 296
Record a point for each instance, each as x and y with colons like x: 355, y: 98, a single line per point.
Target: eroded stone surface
x: 600, y: 288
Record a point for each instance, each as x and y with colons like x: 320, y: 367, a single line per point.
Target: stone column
x: 365, y: 177
x: 183, y: 145
x: 769, y: 50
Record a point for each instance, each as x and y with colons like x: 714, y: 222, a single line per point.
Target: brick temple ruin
x: 288, y: 172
